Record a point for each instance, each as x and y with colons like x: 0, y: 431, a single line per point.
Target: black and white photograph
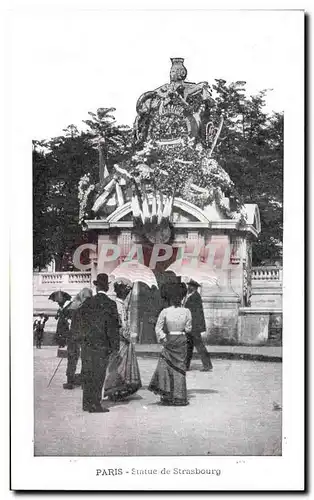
x: 162, y: 167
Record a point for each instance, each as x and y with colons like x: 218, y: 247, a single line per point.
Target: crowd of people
x: 99, y: 332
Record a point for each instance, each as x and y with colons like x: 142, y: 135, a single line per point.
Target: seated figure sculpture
x: 173, y: 123
x: 173, y: 110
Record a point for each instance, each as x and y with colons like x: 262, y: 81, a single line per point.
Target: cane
x: 55, y: 372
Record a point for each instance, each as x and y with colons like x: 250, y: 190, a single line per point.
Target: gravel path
x: 231, y: 412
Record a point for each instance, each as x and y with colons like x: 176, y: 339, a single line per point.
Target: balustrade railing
x: 61, y: 279
x: 261, y: 273
x: 269, y: 273
x: 79, y: 278
x: 51, y: 278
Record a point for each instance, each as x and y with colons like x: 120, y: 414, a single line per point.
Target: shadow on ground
x: 202, y: 391
x: 110, y: 404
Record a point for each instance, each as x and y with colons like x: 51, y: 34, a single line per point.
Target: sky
x: 65, y: 64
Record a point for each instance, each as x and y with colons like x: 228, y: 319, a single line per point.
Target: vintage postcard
x: 157, y: 335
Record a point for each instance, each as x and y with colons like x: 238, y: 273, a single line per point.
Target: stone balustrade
x: 266, y: 287
x: 266, y: 281
x: 51, y: 278
x: 79, y: 278
x: 262, y: 273
x: 62, y: 278
x: 269, y: 273
x: 46, y: 283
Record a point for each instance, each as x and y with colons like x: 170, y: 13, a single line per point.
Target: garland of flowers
x: 85, y: 188
x: 181, y: 169
x: 174, y: 168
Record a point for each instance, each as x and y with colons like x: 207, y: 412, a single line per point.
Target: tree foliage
x: 113, y: 141
x: 250, y: 150
x: 58, y: 165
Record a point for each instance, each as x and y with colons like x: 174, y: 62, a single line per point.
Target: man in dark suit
x: 193, y: 301
x: 100, y: 328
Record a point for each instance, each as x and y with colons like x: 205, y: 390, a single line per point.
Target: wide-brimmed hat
x: 123, y: 283
x: 102, y: 280
x: 172, y: 290
x: 193, y: 283
x: 80, y: 298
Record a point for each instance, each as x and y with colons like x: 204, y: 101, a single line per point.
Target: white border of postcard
x: 285, y: 472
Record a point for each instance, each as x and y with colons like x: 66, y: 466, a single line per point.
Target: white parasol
x: 200, y: 272
x: 134, y: 272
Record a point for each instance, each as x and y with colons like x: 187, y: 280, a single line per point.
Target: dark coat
x: 100, y: 323
x: 75, y: 334
x: 63, y: 328
x: 195, y: 304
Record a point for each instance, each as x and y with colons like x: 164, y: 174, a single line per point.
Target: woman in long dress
x: 169, y: 379
x: 123, y: 374
x: 63, y: 328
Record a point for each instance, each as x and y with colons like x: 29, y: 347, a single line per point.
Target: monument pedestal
x: 260, y: 326
x: 221, y: 316
x: 222, y: 244
x: 172, y: 191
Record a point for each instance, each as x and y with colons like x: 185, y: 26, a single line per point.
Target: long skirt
x: 62, y: 333
x: 123, y: 375
x: 169, y: 379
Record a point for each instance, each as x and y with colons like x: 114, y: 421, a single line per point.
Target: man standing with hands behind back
x: 100, y: 324
x: 193, y: 301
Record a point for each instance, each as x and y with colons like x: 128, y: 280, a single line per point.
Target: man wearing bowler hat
x: 100, y: 324
x: 193, y: 301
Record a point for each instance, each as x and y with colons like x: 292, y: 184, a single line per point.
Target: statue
x: 173, y: 110
x: 174, y: 138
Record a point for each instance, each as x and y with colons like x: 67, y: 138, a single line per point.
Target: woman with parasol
x: 63, y: 300
x: 123, y: 374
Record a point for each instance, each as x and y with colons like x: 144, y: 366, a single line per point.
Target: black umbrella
x: 59, y: 296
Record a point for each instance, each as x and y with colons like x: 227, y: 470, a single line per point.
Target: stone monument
x: 173, y: 192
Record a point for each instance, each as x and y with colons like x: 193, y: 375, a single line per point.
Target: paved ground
x: 261, y: 353
x: 231, y: 412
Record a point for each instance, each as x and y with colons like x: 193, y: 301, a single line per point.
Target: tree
x: 251, y: 151
x: 57, y: 172
x: 114, y: 142
x: 42, y: 251
x: 58, y: 166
